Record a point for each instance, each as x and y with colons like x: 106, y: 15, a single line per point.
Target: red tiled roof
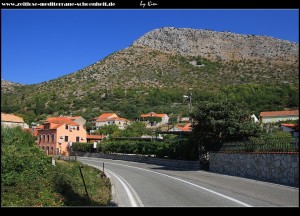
x: 11, y: 118
x: 91, y: 136
x: 280, y: 113
x: 293, y: 126
x: 187, y: 127
x: 56, y: 122
x: 35, y: 130
x: 118, y: 119
x: 105, y: 116
x: 153, y: 114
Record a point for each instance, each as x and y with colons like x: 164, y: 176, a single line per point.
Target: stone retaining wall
x: 144, y: 159
x: 281, y: 168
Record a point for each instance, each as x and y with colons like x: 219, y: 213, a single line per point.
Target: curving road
x: 138, y: 184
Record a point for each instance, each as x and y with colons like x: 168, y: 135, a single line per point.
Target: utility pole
x: 106, y: 94
x: 190, y: 99
x: 190, y: 103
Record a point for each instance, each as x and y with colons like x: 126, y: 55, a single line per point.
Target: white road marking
x: 122, y: 181
x: 178, y: 179
x: 126, y: 186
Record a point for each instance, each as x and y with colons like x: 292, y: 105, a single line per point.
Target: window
x: 48, y: 138
x: 52, y: 137
x: 66, y: 138
x: 77, y: 127
x: 67, y: 127
x: 77, y: 139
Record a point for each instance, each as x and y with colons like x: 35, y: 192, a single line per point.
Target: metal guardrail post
x: 84, y: 183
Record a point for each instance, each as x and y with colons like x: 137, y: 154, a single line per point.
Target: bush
x: 29, y: 179
x: 173, y: 149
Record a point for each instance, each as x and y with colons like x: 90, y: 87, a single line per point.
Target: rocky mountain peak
x: 215, y: 45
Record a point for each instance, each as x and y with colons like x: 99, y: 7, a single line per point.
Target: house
x: 90, y: 138
x: 79, y: 120
x: 254, y: 118
x: 109, y: 119
x: 293, y: 129
x: 10, y: 120
x: 35, y: 129
x: 276, y: 116
x: 154, y: 119
x: 58, y: 134
x: 184, y: 119
x: 186, y: 128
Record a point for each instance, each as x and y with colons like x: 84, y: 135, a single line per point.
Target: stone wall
x: 183, y: 164
x: 277, y: 168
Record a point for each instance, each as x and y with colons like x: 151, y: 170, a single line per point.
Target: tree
x: 136, y: 129
x: 107, y: 129
x: 222, y: 122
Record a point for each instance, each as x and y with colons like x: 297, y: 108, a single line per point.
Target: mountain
x: 225, y: 46
x: 170, y: 59
x: 7, y: 86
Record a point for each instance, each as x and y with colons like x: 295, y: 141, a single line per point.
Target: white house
x: 164, y: 118
x: 276, y: 116
x: 10, y: 120
x: 108, y: 119
x: 254, y: 118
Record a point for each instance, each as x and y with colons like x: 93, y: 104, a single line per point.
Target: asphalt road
x: 138, y: 184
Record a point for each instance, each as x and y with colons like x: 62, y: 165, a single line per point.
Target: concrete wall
x: 144, y: 159
x: 276, y: 168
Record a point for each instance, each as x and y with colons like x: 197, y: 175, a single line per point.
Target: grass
x: 28, y: 177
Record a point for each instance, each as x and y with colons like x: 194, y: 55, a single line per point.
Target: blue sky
x: 40, y: 45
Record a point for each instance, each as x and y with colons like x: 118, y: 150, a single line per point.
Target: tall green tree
x: 220, y: 122
x: 108, y: 129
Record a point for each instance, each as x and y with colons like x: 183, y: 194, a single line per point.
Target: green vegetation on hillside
x: 130, y: 103
x: 29, y: 179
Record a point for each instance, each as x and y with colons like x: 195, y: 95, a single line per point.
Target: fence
x: 261, y: 145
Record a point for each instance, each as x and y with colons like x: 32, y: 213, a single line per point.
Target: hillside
x: 162, y: 60
x: 7, y: 86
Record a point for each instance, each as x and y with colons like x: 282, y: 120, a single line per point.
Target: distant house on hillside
x: 154, y: 119
x: 10, y: 120
x: 94, y: 138
x: 109, y: 119
x: 186, y: 128
x: 293, y: 129
x: 254, y: 118
x: 276, y: 116
x: 79, y: 120
x: 58, y: 133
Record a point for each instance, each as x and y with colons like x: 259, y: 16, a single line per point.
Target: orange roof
x: 280, y: 113
x: 187, y: 127
x: 118, y: 119
x: 153, y: 114
x: 91, y: 136
x: 293, y: 126
x: 105, y: 116
x: 35, y: 130
x: 11, y: 118
x: 56, y: 122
